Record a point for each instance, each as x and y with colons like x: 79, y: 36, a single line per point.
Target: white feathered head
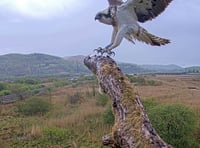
x: 104, y: 17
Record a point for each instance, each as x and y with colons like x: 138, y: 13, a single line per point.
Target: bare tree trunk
x: 132, y: 128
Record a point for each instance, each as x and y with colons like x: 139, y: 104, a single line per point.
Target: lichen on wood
x: 132, y: 128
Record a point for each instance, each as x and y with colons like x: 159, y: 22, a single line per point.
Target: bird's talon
x: 102, y: 51
x: 110, y: 53
x: 99, y: 51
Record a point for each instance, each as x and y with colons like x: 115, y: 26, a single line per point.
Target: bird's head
x: 105, y: 17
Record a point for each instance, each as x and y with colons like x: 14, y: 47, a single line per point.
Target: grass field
x: 75, y: 118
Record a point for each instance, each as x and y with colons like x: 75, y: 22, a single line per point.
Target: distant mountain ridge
x: 162, y: 68
x: 77, y: 58
x: 39, y: 65
x: 33, y: 65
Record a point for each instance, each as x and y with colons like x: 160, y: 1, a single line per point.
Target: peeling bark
x: 132, y: 128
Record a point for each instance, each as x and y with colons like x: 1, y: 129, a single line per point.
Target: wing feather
x: 147, y: 9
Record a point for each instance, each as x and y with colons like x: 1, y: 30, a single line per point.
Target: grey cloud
x: 78, y: 33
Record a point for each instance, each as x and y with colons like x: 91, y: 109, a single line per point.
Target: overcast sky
x: 67, y: 27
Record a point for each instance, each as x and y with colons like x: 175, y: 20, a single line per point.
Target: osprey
x: 124, y: 17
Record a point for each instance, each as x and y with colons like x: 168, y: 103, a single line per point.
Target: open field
x: 75, y: 118
x: 174, y: 89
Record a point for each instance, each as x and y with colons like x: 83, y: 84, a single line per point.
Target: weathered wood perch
x: 132, y: 128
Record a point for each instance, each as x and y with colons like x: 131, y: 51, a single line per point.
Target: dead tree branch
x: 132, y: 128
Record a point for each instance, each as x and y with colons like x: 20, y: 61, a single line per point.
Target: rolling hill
x: 41, y: 65
x: 34, y: 65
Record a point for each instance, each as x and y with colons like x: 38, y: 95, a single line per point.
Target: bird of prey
x: 125, y: 18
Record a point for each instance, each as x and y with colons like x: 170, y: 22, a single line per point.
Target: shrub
x: 34, y: 106
x: 108, y: 116
x: 3, y: 86
x: 29, y: 81
x: 140, y: 80
x: 5, y: 92
x: 149, y: 103
x: 75, y: 98
x: 175, y: 124
x: 153, y: 83
x: 56, y: 135
x: 137, y: 79
x: 102, y: 100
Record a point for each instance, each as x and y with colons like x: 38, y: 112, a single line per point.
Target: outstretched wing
x: 147, y: 9
x: 115, y: 2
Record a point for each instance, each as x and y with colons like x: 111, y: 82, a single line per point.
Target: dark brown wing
x: 148, y: 9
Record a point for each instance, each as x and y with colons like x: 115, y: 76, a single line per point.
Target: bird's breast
x: 123, y: 16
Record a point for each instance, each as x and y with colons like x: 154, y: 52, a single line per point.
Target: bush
x: 34, y: 106
x: 55, y: 135
x: 102, y: 100
x: 75, y: 98
x: 5, y: 92
x: 3, y: 86
x: 108, y: 116
x: 149, y: 103
x: 138, y: 80
x: 29, y: 81
x: 153, y: 83
x: 175, y: 124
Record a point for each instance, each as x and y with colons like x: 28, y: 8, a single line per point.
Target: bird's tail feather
x: 149, y: 38
x: 157, y: 41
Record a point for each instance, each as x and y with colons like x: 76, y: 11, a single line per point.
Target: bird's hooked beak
x: 97, y: 17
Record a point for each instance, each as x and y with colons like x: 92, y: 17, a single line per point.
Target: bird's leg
x: 116, y: 40
x: 114, y: 34
x: 107, y: 48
